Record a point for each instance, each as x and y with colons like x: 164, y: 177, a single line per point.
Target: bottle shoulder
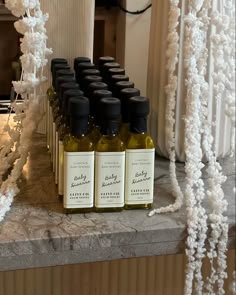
x: 140, y: 141
x: 78, y: 144
x: 110, y: 143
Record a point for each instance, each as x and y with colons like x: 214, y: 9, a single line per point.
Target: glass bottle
x: 93, y: 130
x: 109, y: 160
x: 79, y: 60
x: 106, y: 67
x: 63, y: 132
x: 59, y: 121
x: 80, y: 68
x: 87, y: 80
x: 51, y: 97
x: 115, y: 79
x: 125, y: 94
x: 140, y: 157
x: 78, y: 160
x: 103, y: 60
x: 114, y: 71
x: 56, y: 112
x: 121, y: 85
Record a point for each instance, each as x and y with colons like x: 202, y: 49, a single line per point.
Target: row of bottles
x: 101, y: 153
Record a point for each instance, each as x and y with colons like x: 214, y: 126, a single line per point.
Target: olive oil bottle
x: 50, y: 93
x: 56, y: 112
x: 93, y: 128
x: 140, y: 157
x: 109, y: 160
x: 78, y: 160
x: 125, y: 94
x: 59, y: 120
x: 79, y: 60
x: 121, y: 85
x: 63, y: 133
x: 102, y: 60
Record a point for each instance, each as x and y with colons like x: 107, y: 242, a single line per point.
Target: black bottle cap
x: 56, y: 68
x: 88, y: 80
x: 66, y: 86
x: 117, y: 78
x: 65, y: 73
x: 129, y: 92
x: 95, y: 86
x: 110, y: 112
x: 139, y: 106
x: 110, y: 65
x: 95, y: 104
x: 56, y: 61
x: 122, y: 85
x: 105, y: 59
x: 116, y: 71
x: 81, y: 67
x: 66, y: 98
x: 138, y: 112
x: 80, y: 59
x: 110, y: 107
x: 90, y: 72
x: 101, y: 93
x: 63, y: 79
x: 79, y: 107
x: 79, y: 112
x: 125, y: 94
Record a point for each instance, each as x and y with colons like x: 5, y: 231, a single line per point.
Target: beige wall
x: 133, y: 42
x: 160, y: 275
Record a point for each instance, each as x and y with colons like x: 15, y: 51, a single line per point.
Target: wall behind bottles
x: 133, y: 41
x: 70, y: 33
x: 160, y: 275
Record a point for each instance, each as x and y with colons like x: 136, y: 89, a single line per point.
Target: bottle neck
x: 109, y: 127
x: 79, y: 127
x: 138, y: 125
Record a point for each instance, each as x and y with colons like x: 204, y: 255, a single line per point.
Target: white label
x: 139, y: 179
x: 56, y: 158
x: 109, y: 177
x: 53, y: 145
x: 78, y: 179
x: 60, y: 168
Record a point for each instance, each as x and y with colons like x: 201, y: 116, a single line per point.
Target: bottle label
x: 60, y: 168
x: 56, y: 158
x: 109, y: 179
x: 53, y: 145
x: 139, y: 179
x: 78, y: 179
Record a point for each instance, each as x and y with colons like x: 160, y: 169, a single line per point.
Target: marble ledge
x: 36, y: 233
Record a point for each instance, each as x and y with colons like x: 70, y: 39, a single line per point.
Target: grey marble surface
x: 36, y: 233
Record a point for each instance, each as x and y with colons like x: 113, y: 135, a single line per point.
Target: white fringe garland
x: 15, y: 151
x: 199, y: 139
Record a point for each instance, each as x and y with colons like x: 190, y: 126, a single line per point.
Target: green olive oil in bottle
x: 140, y: 157
x: 109, y: 160
x: 78, y: 160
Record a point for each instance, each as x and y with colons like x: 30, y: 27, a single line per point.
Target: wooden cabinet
x: 105, y: 32
x: 8, y: 50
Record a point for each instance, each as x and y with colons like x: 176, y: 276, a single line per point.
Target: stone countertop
x: 36, y: 233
